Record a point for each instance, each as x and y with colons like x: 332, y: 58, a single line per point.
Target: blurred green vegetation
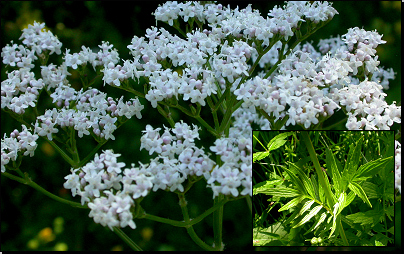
x: 89, y: 23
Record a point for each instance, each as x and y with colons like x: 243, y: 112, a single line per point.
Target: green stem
x: 91, y: 154
x: 182, y: 223
x: 166, y: 115
x: 126, y: 239
x: 198, y: 241
x: 218, y: 223
x: 342, y: 232
x: 62, y: 153
x: 214, y: 114
x: 75, y: 153
x: 164, y: 220
x: 319, y: 172
x: 27, y: 180
x: 190, y: 230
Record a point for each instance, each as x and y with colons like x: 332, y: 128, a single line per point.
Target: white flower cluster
x: 195, y: 82
x: 19, y: 143
x: 178, y: 156
x: 93, y: 110
x: 247, y: 23
x: 109, y: 189
x: 37, y: 40
x: 309, y: 87
x: 366, y: 106
x: 234, y: 176
x: 179, y: 159
x: 397, y: 163
x: 104, y: 57
x: 20, y: 90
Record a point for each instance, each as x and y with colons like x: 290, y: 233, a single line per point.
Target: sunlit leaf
x: 260, y: 155
x: 322, y: 218
x: 306, y: 206
x: 351, y: 196
x: 278, y: 141
x: 353, y: 159
x: 308, y: 216
x: 333, y: 170
x: 353, y: 186
x: 280, y: 192
x: 264, y: 185
x: 334, y: 225
x: 372, y: 167
x: 291, y: 203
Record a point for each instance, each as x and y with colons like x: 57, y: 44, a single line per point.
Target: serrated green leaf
x: 328, y: 186
x: 322, y: 218
x: 278, y: 141
x: 371, y: 190
x: 280, y: 192
x: 334, y: 225
x: 334, y: 172
x: 371, y: 168
x: 370, y: 217
x: 260, y: 155
x: 296, y: 181
x: 306, y: 206
x: 307, y: 184
x: 353, y: 160
x: 309, y: 215
x: 341, y: 201
x: 351, y: 196
x: 265, y: 185
x: 292, y: 217
x: 291, y: 203
x: 355, y: 187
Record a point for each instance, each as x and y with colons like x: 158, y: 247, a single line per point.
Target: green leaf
x: 334, y: 225
x: 306, y: 206
x: 353, y: 160
x: 333, y: 170
x: 351, y: 196
x: 328, y: 186
x: 377, y: 243
x: 341, y: 201
x: 308, y: 186
x: 371, y: 217
x: 265, y: 185
x: 322, y: 218
x: 291, y: 217
x: 278, y: 141
x: 260, y: 155
x: 371, y: 190
x: 292, y: 203
x: 309, y: 215
x: 280, y: 192
x: 296, y: 181
x: 355, y: 187
x: 274, y: 234
x: 372, y: 167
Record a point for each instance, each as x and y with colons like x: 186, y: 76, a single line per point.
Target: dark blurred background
x: 28, y: 216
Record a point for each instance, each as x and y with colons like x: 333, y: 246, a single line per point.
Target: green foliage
x: 357, y: 176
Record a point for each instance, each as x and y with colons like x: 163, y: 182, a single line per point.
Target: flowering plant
x: 226, y: 71
x: 343, y: 203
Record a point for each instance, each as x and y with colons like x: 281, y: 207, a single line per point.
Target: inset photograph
x: 324, y: 188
